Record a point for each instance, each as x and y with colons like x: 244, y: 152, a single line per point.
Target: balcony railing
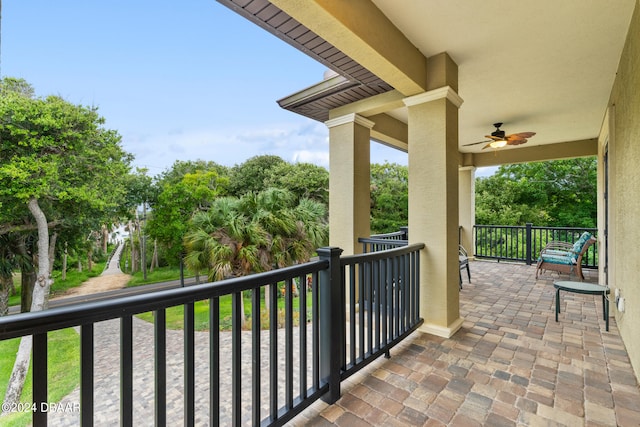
x: 524, y: 243
x: 356, y: 309
x: 383, y: 242
x: 499, y: 242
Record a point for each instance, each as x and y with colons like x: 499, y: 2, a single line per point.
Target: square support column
x: 433, y: 205
x: 467, y: 205
x: 349, y: 181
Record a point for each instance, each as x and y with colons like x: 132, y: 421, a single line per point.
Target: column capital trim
x: 350, y: 118
x: 432, y: 95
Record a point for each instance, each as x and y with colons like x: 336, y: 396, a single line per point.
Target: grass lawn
x: 74, y: 278
x: 162, y: 274
x: 175, y: 315
x: 63, y: 369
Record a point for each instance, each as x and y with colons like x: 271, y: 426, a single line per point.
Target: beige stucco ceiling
x: 545, y: 66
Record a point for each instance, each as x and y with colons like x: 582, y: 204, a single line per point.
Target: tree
x: 560, y: 193
x: 304, y: 180
x: 389, y: 197
x: 182, y: 192
x: 255, y: 233
x: 55, y: 158
x: 252, y: 175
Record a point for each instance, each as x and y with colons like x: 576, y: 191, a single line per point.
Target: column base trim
x: 442, y: 331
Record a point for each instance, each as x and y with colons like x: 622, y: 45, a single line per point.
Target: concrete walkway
x: 114, y: 262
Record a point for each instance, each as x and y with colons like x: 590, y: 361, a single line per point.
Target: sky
x: 177, y: 80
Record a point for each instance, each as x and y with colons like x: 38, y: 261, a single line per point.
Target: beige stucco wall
x: 349, y: 197
x: 624, y: 185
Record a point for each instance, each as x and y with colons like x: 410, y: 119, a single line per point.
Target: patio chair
x: 565, y: 257
x: 463, y: 259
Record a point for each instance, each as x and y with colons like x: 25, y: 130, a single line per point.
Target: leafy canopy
x: 560, y: 193
x: 254, y: 233
x: 60, y: 154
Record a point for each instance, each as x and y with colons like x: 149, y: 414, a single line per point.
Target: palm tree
x: 254, y: 233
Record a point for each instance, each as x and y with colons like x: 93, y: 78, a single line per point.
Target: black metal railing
x: 383, y: 242
x: 383, y: 303
x: 356, y: 309
x: 524, y: 243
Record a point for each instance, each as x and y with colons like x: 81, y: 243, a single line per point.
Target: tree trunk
x: 28, y: 275
x: 133, y: 257
x: 64, y: 262
x: 79, y: 265
x: 90, y: 260
x: 154, y: 257
x: 5, y: 290
x: 39, y: 302
x: 19, y: 373
x: 52, y: 251
x: 105, y: 238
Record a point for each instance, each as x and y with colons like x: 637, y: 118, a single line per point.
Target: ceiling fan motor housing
x: 498, y: 133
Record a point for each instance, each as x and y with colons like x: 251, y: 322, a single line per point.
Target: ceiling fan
x: 498, y: 139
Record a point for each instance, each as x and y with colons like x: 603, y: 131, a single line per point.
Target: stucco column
x: 433, y: 205
x: 467, y: 205
x: 349, y: 181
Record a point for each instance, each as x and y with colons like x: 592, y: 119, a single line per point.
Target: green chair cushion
x: 559, y: 259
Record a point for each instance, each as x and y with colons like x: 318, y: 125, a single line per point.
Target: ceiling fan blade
x: 488, y: 145
x: 475, y: 143
x: 524, y: 135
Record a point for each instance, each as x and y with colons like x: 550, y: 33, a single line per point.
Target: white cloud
x: 320, y: 158
x: 296, y: 141
x: 301, y: 141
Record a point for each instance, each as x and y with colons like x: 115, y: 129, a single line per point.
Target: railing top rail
x: 75, y: 315
x: 537, y: 227
x: 388, y: 235
x: 373, y: 256
x: 542, y: 227
x: 389, y: 242
x: 498, y: 226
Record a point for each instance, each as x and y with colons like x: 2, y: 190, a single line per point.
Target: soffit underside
x: 363, y: 83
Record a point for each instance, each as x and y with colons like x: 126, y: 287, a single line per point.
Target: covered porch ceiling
x: 543, y: 66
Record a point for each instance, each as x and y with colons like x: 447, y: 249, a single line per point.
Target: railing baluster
x: 189, y: 365
x: 288, y: 326
x: 386, y: 286
x: 126, y: 371
x: 214, y: 361
x: 316, y: 331
x: 302, y: 292
x: 352, y: 315
x: 160, y: 336
x: 377, y: 278
x: 86, y: 374
x: 236, y: 361
x: 361, y: 298
x: 39, y: 379
x: 255, y: 356
x: 368, y: 283
x: 273, y: 351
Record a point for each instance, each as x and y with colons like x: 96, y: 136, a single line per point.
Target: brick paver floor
x: 510, y: 364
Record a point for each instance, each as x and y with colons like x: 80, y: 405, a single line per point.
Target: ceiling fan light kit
x: 498, y: 144
x: 497, y: 139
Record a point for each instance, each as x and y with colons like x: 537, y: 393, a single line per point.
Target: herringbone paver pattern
x: 511, y: 364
